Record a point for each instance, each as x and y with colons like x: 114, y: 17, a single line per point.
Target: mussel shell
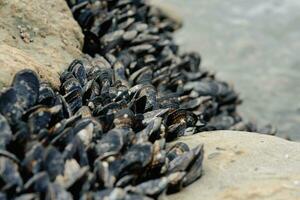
x: 130, y: 35
x: 138, y: 156
x: 39, y: 182
x: 181, y: 162
x: 114, y: 193
x: 28, y: 196
x: 10, y: 155
x: 91, y: 43
x: 71, y: 84
x: 3, y: 196
x: 55, y: 191
x: 149, y: 116
x: 111, y: 143
x: 177, y: 149
x: 10, y: 175
x: 5, y: 132
x: 73, y: 176
x: 151, y: 132
x: 193, y: 61
x: 76, y: 148
x: 136, y: 197
x: 84, y: 130
x: 26, y: 84
x: 46, y: 95
x: 175, y: 182
x: 85, y: 18
x: 152, y: 188
x: 9, y: 106
x: 119, y: 72
x: 74, y: 100
x: 79, y: 72
x: 33, y: 161
x: 195, y: 170
x: 53, y: 162
x: 39, y: 120
x: 126, y: 180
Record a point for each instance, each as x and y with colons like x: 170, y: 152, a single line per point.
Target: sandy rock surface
x: 42, y: 31
x: 240, y: 165
x: 13, y: 60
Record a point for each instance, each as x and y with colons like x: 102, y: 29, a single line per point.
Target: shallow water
x: 255, y: 45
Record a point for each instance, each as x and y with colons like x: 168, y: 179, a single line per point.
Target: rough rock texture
x: 43, y: 30
x: 13, y: 60
x: 241, y: 165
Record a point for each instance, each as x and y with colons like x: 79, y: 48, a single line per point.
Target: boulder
x: 240, y: 165
x: 42, y: 31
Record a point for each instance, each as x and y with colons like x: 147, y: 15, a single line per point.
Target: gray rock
x: 240, y: 165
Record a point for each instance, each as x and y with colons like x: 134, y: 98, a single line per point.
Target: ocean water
x: 255, y: 45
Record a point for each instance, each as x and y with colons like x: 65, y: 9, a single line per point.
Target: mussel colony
x: 94, y: 138
x: 136, y: 39
x: 104, y: 133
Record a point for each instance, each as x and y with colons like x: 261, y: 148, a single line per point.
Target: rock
x: 240, y: 165
x: 13, y: 60
x: 42, y: 30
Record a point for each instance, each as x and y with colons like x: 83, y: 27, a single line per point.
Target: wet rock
x: 241, y: 165
x: 42, y: 33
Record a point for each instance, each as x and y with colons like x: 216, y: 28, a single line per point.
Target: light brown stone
x: 240, y: 165
x: 42, y: 30
x: 13, y: 60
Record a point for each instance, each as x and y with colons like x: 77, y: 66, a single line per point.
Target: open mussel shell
x: 178, y: 121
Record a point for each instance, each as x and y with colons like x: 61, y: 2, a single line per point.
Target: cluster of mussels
x: 104, y: 133
x: 93, y: 139
x: 137, y: 40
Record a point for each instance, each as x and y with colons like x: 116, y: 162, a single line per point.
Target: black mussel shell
x: 26, y: 84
